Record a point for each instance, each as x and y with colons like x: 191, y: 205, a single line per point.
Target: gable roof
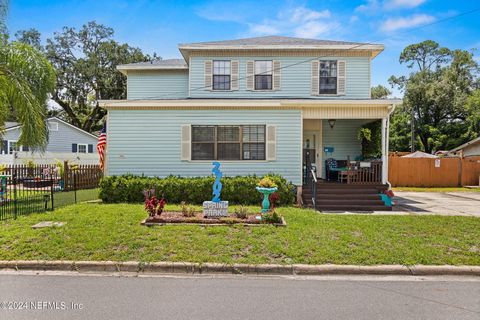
x: 279, y: 43
x: 159, y: 64
x: 463, y: 146
x: 269, y: 41
x: 62, y: 121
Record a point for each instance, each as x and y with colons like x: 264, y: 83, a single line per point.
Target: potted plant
x: 60, y: 169
x: 266, y: 187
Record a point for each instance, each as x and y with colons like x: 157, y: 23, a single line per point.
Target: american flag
x: 102, y: 142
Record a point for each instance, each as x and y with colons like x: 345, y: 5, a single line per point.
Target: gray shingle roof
x: 166, y: 63
x: 270, y: 40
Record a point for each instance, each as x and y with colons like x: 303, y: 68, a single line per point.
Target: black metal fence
x: 22, y: 194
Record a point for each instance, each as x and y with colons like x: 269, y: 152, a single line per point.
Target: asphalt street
x: 26, y: 295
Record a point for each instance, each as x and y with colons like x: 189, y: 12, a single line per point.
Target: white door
x: 313, y: 140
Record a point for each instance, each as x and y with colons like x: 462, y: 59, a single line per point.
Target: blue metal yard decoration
x: 217, y: 186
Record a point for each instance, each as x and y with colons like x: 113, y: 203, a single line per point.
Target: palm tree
x: 26, y: 79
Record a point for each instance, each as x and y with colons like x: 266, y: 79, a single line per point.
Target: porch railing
x: 313, y: 183
x: 370, y: 174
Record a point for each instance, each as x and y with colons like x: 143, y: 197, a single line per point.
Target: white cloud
x: 299, y: 22
x: 393, y: 24
x: 374, y: 6
x: 395, y: 4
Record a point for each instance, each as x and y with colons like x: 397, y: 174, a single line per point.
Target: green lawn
x: 417, y: 189
x: 113, y: 232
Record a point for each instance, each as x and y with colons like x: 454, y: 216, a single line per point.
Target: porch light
x: 331, y: 122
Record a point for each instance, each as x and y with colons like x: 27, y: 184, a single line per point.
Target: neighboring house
x: 471, y: 148
x: 65, y: 142
x: 253, y: 104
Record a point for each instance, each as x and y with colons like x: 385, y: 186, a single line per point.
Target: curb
x: 248, y: 269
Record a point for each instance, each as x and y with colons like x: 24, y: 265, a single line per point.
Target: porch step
x: 343, y: 208
x: 343, y: 197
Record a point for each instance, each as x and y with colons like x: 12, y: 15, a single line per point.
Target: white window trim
x: 55, y: 126
x: 82, y: 144
x: 20, y: 148
x: 255, y: 74
x: 319, y: 78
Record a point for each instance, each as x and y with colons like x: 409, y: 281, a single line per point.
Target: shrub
x: 154, y: 206
x: 272, y: 217
x: 187, y: 211
x: 241, y: 212
x: 237, y: 190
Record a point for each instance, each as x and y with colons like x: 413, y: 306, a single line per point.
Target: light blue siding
x: 343, y: 138
x: 148, y: 142
x: 295, y: 78
x: 61, y: 140
x: 161, y: 84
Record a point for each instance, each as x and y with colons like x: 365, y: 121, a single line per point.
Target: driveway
x: 442, y: 203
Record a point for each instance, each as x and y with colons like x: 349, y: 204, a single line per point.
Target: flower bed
x: 177, y: 217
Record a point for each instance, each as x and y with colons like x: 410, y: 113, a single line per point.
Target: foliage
x: 101, y: 232
x: 85, y: 61
x: 436, y: 96
x: 370, y: 136
x: 26, y: 80
x: 237, y: 190
x: 154, y: 206
x: 271, y: 217
x: 274, y: 199
x: 266, y: 183
x: 241, y: 212
x: 60, y: 167
x: 187, y: 210
x: 380, y: 92
x: 30, y: 164
x: 400, y: 130
x: 3, y: 18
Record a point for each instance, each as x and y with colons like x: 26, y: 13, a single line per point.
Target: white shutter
x: 234, y: 75
x: 250, y: 75
x: 186, y: 142
x: 341, y: 77
x: 208, y: 64
x: 271, y: 143
x: 277, y: 72
x: 314, y: 91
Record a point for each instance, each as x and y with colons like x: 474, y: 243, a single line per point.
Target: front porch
x: 339, y: 173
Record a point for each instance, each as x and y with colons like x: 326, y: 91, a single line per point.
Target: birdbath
x: 266, y: 192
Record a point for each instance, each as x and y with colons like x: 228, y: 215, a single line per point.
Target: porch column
x: 385, y: 135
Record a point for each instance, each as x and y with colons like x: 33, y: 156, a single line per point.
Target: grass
x: 418, y: 189
x: 113, y: 232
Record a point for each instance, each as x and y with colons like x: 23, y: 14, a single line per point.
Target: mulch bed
x: 176, y: 217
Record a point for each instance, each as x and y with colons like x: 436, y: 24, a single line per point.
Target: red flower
x: 154, y: 206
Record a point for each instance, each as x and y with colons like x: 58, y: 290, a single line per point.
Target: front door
x: 311, y: 151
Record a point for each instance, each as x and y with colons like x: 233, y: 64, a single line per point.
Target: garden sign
x: 216, y: 207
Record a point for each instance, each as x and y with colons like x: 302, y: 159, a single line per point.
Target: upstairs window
x: 221, y: 75
x: 263, y: 75
x: 328, y: 77
x: 228, y: 142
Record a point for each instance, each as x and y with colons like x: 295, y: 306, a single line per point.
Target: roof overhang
x: 124, y: 68
x: 311, y: 108
x: 374, y: 49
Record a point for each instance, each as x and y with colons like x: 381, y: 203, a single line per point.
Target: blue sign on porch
x: 328, y: 149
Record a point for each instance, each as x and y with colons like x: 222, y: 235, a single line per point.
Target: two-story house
x: 258, y: 105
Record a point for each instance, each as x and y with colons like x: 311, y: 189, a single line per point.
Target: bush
x: 271, y: 217
x: 241, y: 212
x: 236, y: 190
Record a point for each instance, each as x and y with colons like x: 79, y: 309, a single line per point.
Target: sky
x: 159, y: 26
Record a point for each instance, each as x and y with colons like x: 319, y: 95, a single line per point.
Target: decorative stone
x: 215, y: 209
x: 47, y: 224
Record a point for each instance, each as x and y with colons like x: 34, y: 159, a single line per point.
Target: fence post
x: 75, y: 184
x: 66, y: 174
x: 15, y: 196
x: 52, y: 189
